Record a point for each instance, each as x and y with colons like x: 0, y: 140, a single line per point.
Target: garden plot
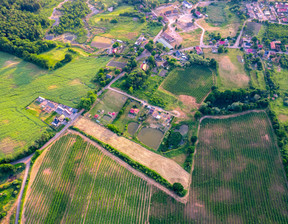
x: 107, y: 107
x: 167, y: 168
x: 101, y: 42
x: 238, y: 176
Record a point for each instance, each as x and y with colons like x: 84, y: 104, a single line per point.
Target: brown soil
x: 52, y: 87
x: 7, y: 145
x: 167, y: 168
x: 9, y: 63
x: 75, y: 82
x: 189, y: 101
x: 283, y: 117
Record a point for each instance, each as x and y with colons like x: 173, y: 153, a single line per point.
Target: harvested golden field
x: 167, y: 168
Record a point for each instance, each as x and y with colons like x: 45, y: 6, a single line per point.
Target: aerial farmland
x: 148, y: 111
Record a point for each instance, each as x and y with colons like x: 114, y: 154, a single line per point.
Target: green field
x: 195, y: 81
x: 76, y: 183
x: 127, y: 29
x: 22, y: 82
x: 217, y: 13
x: 238, y: 176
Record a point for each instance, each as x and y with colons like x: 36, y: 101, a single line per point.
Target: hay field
x: 191, y: 38
x: 238, y: 176
x: 76, y: 183
x: 22, y: 82
x: 167, y: 168
x: 231, y: 71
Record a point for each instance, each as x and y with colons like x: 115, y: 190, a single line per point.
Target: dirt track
x: 167, y: 168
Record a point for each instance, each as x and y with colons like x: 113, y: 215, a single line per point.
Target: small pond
x: 151, y: 137
x: 132, y: 128
x: 183, y: 129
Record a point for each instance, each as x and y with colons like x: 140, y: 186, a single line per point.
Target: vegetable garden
x: 238, y: 176
x: 76, y: 183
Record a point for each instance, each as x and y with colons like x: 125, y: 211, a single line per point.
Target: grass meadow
x: 127, y: 29
x: 220, y: 20
x: 21, y: 82
x: 76, y: 183
x: 238, y: 176
x: 232, y: 74
x: 195, y: 81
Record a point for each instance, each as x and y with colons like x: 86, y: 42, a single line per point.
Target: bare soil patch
x: 167, y: 168
x: 47, y: 171
x: 189, y: 101
x: 75, y: 82
x: 7, y: 145
x: 222, y: 194
x: 283, y: 117
x: 10, y: 63
x: 52, y: 87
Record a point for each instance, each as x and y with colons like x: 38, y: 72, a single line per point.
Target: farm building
x: 198, y: 14
x: 167, y: 37
x: 165, y: 43
x: 198, y: 50
x: 144, y: 66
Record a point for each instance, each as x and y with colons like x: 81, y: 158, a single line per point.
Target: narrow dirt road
x: 21, y: 191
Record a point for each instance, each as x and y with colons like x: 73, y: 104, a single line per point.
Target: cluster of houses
x: 267, y: 11
x: 63, y: 112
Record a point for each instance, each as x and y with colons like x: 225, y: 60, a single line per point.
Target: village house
x: 144, y: 66
x: 187, y: 4
x: 168, y: 37
x: 275, y: 45
x: 223, y: 42
x: 198, y: 14
x: 198, y: 50
x: 165, y: 43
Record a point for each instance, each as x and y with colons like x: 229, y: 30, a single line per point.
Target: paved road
x: 108, y: 86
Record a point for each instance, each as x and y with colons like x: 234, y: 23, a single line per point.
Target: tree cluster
x: 86, y: 102
x: 136, y: 79
x: 234, y: 101
x: 200, y: 60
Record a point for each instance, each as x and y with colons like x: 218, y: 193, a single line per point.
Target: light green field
x: 238, y: 174
x: 232, y: 74
x: 76, y: 183
x: 195, y: 81
x: 126, y: 29
x: 22, y: 82
x: 54, y: 55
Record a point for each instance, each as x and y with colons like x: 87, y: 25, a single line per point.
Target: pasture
x: 167, y: 168
x: 22, y: 82
x: 191, y: 38
x: 74, y: 182
x: 195, y: 81
x: 231, y: 72
x: 252, y: 29
x: 238, y: 176
x: 126, y: 29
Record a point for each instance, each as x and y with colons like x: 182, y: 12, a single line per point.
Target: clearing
x: 76, y: 183
x: 238, y: 175
x: 195, y: 81
x: 167, y: 168
x: 191, y: 38
x: 231, y: 71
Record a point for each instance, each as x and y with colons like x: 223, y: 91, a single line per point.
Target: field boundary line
x: 132, y: 170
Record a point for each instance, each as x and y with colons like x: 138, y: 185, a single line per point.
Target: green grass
x: 54, y: 55
x: 48, y: 6
x: 257, y: 79
x: 237, y: 176
x: 217, y: 14
x: 85, y: 186
x: 126, y: 29
x: 194, y: 81
x: 22, y: 82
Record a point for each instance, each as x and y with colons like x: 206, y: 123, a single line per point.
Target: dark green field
x: 194, y: 81
x: 238, y: 176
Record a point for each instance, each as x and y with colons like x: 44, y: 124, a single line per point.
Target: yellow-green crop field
x: 22, y: 82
